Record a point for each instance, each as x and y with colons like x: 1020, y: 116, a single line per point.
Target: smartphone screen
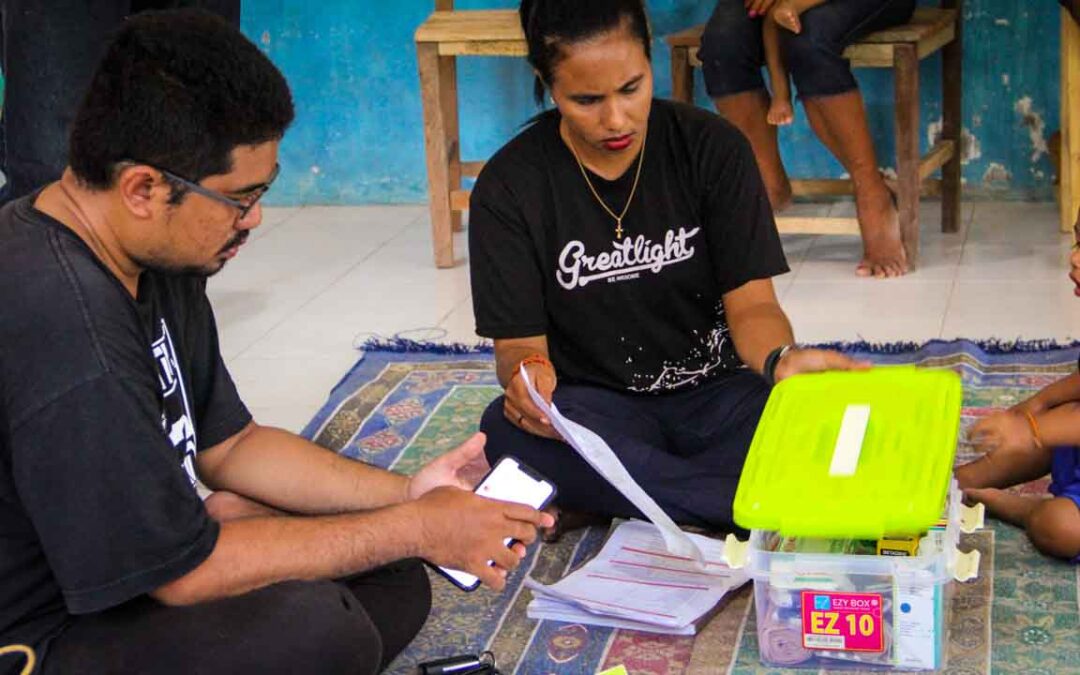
x: 509, y: 481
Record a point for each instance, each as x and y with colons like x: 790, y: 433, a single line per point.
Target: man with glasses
x: 115, y: 401
x: 246, y: 198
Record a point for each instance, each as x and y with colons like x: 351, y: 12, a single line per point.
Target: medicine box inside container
x: 835, y: 604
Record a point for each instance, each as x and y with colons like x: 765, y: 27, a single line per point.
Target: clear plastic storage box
x: 822, y: 604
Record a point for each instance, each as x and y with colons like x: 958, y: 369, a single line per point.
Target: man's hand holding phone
x: 463, y: 531
x: 476, y: 537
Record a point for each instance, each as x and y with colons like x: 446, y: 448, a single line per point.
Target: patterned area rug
x: 400, y: 409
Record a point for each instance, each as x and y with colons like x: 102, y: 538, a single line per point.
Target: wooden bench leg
x: 437, y: 151
x: 952, y: 123
x: 906, y: 72
x: 1069, y: 173
x: 448, y: 91
x: 682, y: 75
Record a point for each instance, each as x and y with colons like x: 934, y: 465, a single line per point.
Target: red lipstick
x: 619, y: 142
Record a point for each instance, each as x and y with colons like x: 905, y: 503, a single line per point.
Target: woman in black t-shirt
x: 622, y: 249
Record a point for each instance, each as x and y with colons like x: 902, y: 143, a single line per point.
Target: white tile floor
x: 314, y: 281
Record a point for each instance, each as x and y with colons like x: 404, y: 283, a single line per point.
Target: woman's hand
x: 797, y: 361
x: 518, y: 406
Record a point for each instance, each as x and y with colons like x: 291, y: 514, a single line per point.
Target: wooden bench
x: 446, y: 35
x: 899, y: 48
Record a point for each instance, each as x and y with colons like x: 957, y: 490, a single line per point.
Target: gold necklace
x: 633, y: 189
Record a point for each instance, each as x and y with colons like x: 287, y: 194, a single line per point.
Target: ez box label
x: 842, y: 621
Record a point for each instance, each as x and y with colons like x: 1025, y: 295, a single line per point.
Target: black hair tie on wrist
x: 768, y: 371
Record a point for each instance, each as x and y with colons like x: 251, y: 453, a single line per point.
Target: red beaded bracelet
x: 534, y: 358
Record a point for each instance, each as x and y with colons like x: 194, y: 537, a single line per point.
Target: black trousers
x: 355, y: 625
x: 732, y: 53
x: 49, y: 51
x: 685, y: 449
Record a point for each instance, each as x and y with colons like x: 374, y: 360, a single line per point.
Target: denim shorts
x: 732, y: 53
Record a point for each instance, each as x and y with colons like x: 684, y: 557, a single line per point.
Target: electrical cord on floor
x: 28, y: 652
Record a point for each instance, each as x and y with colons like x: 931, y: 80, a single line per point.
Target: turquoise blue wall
x: 358, y: 136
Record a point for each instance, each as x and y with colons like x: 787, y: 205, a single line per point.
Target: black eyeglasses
x: 251, y: 198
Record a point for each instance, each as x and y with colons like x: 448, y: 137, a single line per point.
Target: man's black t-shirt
x: 104, y: 401
x: 643, y: 313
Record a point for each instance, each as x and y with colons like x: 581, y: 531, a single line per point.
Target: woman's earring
x: 552, y: 99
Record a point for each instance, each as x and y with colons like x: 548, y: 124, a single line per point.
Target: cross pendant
x: 618, y: 228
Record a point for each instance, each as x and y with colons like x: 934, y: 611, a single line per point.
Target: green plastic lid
x: 852, y: 454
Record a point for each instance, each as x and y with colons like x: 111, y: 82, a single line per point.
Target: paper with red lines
x: 635, y: 579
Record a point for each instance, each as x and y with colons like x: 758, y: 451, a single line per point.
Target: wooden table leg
x: 682, y: 75
x: 906, y: 73
x: 1069, y: 177
x: 952, y: 123
x: 437, y: 151
x: 448, y: 92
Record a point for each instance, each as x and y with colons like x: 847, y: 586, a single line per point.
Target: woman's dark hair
x: 550, y: 25
x: 178, y: 90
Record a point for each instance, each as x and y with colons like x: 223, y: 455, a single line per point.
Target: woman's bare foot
x: 780, y: 112
x: 883, y: 248
x: 565, y: 521
x: 1015, y: 509
x: 1051, y: 523
x: 785, y: 14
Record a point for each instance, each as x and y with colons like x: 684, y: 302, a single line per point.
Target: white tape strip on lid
x: 849, y: 443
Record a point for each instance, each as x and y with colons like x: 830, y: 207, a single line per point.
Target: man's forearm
x: 756, y: 331
x: 254, y: 552
x: 283, y: 470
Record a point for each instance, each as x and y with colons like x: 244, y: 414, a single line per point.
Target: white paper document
x: 599, y: 455
x: 543, y: 609
x: 634, y: 582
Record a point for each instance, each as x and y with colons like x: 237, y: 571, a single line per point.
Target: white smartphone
x: 509, y: 481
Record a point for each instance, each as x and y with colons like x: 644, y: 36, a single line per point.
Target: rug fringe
x: 402, y: 345
x: 991, y: 346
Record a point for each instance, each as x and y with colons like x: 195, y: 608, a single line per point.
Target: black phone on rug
x: 509, y: 481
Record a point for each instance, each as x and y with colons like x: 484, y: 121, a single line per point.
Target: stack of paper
x: 635, y: 583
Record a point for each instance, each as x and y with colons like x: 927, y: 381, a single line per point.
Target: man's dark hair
x: 178, y: 90
x: 550, y: 25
